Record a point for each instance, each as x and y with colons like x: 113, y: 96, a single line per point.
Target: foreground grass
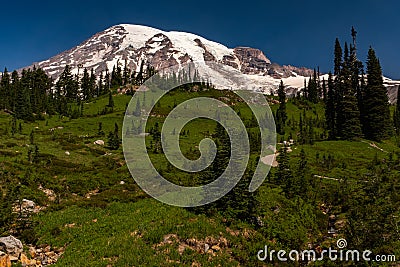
x: 119, y: 225
x: 134, y: 234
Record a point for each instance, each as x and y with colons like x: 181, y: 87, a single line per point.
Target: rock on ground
x: 11, y: 246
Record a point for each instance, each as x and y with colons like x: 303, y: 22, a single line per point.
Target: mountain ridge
x: 161, y: 49
x: 136, y: 44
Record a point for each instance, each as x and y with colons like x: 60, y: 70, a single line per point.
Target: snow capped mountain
x: 133, y: 44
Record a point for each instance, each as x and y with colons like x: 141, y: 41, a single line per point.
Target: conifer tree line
x: 29, y: 94
x: 356, y: 102
x: 26, y: 94
x: 357, y: 105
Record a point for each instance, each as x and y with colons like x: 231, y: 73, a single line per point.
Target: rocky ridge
x: 132, y: 45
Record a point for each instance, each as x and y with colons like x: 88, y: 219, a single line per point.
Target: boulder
x: 25, y: 207
x: 11, y: 246
x: 28, y: 205
x: 99, y: 142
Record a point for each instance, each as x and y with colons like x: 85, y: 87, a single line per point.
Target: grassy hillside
x: 103, y: 218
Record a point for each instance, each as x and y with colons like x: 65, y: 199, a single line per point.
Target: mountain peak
x: 136, y: 44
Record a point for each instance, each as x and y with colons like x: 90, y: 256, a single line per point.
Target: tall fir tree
x: 338, y: 57
x: 92, y: 84
x: 67, y: 86
x: 376, y: 103
x: 284, y: 175
x: 116, y: 76
x: 347, y: 114
x: 5, y: 90
x: 85, y: 85
x: 41, y: 87
x: 305, y: 92
x: 107, y: 85
x: 360, y: 99
x: 312, y: 88
x: 100, y: 85
x: 281, y: 115
x: 324, y: 90
x: 396, y: 117
x: 330, y: 109
x: 126, y: 74
x: 346, y: 56
x: 110, y: 100
x: 24, y: 108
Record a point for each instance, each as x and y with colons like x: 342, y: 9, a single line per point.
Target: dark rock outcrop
x: 253, y: 61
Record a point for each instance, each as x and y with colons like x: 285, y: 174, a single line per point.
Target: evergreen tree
x: 396, y: 117
x: 66, y: 87
x: 113, y: 138
x: 110, y: 100
x: 92, y: 84
x: 116, y: 76
x: 107, y: 85
x: 377, y: 115
x: 100, y: 130
x: 116, y: 129
x: 344, y: 120
x: 313, y: 88
x: 140, y: 76
x: 32, y: 138
x: 324, y: 90
x: 112, y: 141
x: 347, y: 114
x: 126, y: 73
x: 346, y: 56
x: 360, y: 99
x: 330, y: 109
x: 5, y: 91
x: 300, y: 183
x: 284, y: 175
x: 338, y: 57
x: 21, y: 98
x: 281, y: 115
x: 356, y: 68
x: 24, y: 100
x: 85, y: 85
x: 305, y: 92
x: 40, y: 87
x: 100, y: 86
x: 13, y: 89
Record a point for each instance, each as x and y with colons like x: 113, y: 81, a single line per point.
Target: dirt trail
x: 374, y: 146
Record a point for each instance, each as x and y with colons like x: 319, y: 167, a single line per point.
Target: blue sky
x: 299, y: 33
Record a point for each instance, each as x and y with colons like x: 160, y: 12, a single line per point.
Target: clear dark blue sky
x: 299, y: 33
